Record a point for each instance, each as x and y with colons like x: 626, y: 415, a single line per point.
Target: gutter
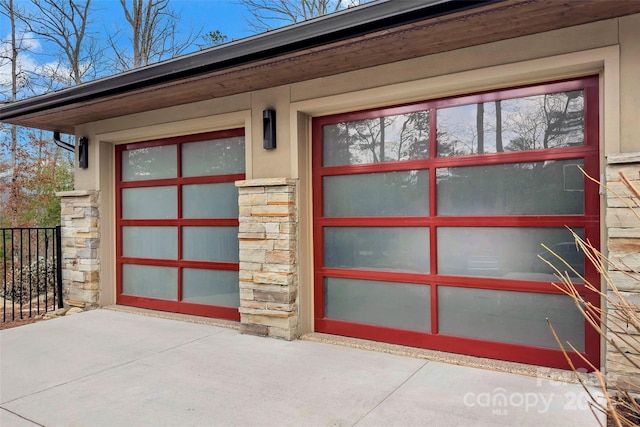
x: 316, y: 32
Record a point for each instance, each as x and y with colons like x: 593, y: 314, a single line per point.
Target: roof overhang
x: 373, y: 34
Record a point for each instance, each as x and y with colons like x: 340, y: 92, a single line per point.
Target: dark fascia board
x: 343, y: 25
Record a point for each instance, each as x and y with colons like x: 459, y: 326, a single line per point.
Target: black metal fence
x: 31, y: 271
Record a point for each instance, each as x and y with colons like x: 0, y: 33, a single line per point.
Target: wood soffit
x: 499, y: 21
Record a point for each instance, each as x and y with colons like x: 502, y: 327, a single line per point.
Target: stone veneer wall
x: 268, y: 263
x: 623, y: 231
x: 80, y: 242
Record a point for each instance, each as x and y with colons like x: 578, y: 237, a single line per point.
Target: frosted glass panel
x: 403, y: 193
x: 211, y: 287
x: 215, y: 157
x: 397, y: 305
x: 383, y: 139
x: 210, y: 201
x: 541, y: 188
x: 149, y: 163
x: 554, y: 120
x: 150, y: 281
x: 210, y: 244
x: 150, y: 242
x: 507, y: 316
x: 150, y: 203
x: 506, y: 252
x: 381, y: 248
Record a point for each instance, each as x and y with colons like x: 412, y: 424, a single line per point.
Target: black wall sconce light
x: 269, y: 129
x: 83, y: 148
x: 83, y: 152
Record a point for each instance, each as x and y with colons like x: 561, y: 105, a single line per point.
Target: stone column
x: 268, y: 261
x: 80, y: 242
x: 623, y: 231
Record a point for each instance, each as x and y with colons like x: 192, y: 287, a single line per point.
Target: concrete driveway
x: 110, y: 368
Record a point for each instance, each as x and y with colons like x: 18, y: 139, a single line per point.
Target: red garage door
x: 177, y: 223
x: 429, y: 220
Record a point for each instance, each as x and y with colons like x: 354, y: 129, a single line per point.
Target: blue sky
x: 228, y: 16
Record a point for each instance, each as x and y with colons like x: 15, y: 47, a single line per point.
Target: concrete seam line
x: 20, y: 416
x: 391, y: 392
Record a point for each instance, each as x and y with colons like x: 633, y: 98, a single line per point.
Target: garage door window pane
x: 150, y: 281
x: 150, y: 242
x: 541, y: 188
x: 507, y: 252
x: 149, y: 163
x: 397, y: 305
x: 507, y: 316
x: 215, y: 157
x: 210, y: 244
x: 554, y: 120
x: 150, y: 203
x: 382, y: 248
x: 384, y: 139
x: 210, y: 201
x: 404, y: 193
x: 211, y: 287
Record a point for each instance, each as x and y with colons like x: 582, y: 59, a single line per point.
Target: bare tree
x: 267, y: 14
x: 66, y: 25
x: 152, y: 34
x: 7, y: 9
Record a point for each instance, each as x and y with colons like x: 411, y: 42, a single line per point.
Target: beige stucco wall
x: 608, y: 48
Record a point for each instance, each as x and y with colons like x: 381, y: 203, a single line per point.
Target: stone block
x: 256, y: 244
x: 272, y: 278
x: 246, y: 294
x: 87, y: 253
x: 288, y: 228
x: 286, y: 198
x: 625, y: 281
x: 623, y: 344
x: 262, y: 317
x: 88, y: 267
x: 245, y: 227
x: 285, y: 244
x: 285, y: 295
x: 272, y: 227
x: 261, y: 305
x: 280, y: 189
x: 74, y: 303
x: 264, y: 288
x: 270, y: 210
x: 90, y: 285
x: 264, y: 182
x: 87, y: 296
x: 252, y: 199
x: 245, y: 275
x: 623, y: 382
x: 77, y: 276
x: 281, y: 307
x: 626, y: 364
x: 252, y: 236
x: 619, y: 323
x: 623, y: 217
x: 286, y: 334
x: 280, y: 268
x: 280, y: 257
x: 252, y: 255
x: 632, y: 233
x: 250, y: 266
x: 252, y: 329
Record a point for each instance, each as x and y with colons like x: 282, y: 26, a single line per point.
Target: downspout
x: 62, y: 144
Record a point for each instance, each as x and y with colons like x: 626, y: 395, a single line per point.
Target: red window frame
x: 177, y: 306
x: 589, y: 221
